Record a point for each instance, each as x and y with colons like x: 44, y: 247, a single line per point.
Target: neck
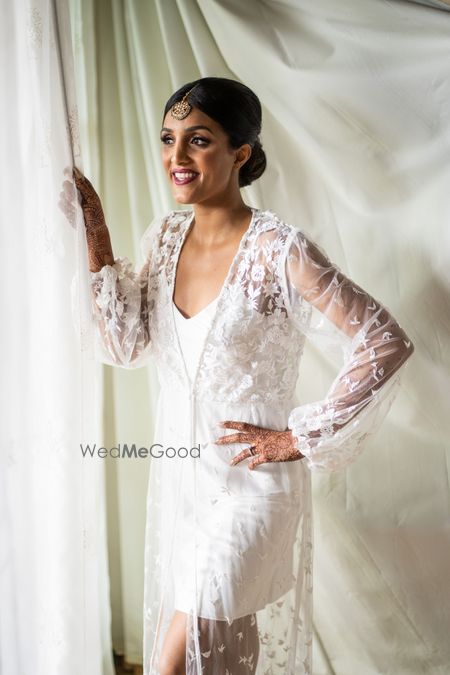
x: 213, y: 223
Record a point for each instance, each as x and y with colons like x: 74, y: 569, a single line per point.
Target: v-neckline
x: 218, y: 298
x: 194, y: 316
x: 187, y: 227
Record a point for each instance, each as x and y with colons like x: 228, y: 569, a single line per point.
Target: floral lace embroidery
x: 281, y: 289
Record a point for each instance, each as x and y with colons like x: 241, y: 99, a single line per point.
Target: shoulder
x: 178, y: 215
x: 170, y: 224
x: 282, y: 241
x: 175, y: 219
x: 266, y: 223
x: 270, y: 226
x: 264, y: 220
x: 163, y: 231
x: 290, y: 236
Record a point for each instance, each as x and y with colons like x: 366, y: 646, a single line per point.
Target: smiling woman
x: 231, y: 116
x: 224, y: 301
x: 208, y: 169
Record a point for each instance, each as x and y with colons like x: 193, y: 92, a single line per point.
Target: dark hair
x: 237, y: 109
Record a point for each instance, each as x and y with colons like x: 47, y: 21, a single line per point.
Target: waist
x: 208, y: 399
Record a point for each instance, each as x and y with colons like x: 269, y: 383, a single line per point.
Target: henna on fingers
x: 100, y: 251
x: 266, y: 445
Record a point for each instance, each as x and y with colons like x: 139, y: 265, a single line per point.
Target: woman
x: 224, y: 301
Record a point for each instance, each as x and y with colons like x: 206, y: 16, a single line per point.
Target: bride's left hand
x: 266, y: 445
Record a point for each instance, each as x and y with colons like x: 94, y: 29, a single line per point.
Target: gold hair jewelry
x: 182, y: 108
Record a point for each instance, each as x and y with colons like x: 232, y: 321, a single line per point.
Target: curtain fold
x: 55, y: 614
x: 356, y: 127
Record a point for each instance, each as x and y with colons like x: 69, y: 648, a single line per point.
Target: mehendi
x: 97, y: 235
x: 266, y: 445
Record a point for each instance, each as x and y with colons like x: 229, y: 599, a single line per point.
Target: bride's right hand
x: 97, y: 234
x: 90, y: 201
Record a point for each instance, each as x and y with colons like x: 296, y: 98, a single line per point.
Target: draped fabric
x: 355, y: 126
x: 55, y: 613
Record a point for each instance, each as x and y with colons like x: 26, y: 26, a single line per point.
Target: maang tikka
x: 182, y: 108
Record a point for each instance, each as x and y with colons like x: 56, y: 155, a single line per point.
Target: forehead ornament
x: 182, y: 108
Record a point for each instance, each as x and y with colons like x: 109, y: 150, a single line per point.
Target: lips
x: 183, y: 177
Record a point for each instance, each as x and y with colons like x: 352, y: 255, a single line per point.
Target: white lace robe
x: 232, y: 547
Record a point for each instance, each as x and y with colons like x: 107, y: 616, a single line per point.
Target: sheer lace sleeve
x: 331, y: 432
x: 120, y: 307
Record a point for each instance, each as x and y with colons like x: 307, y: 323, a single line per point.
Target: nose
x: 179, y: 153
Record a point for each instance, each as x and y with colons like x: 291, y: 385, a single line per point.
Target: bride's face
x: 197, y: 158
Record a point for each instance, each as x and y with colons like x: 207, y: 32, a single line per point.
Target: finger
x: 259, y: 459
x: 69, y: 191
x: 242, y: 426
x: 68, y: 210
x: 65, y: 205
x: 83, y: 184
x: 81, y: 187
x: 234, y: 438
x: 65, y: 202
x: 77, y: 175
x: 68, y: 186
x: 242, y: 455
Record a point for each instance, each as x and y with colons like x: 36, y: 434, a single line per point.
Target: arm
x: 119, y: 293
x: 120, y: 311
x: 97, y: 234
x: 330, y: 433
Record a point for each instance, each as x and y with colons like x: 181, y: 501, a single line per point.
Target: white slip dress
x: 192, y: 333
x: 221, y: 538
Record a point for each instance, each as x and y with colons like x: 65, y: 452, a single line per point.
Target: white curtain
x: 356, y: 128
x: 55, y: 612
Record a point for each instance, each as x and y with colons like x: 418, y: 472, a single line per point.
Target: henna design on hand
x: 97, y: 234
x: 266, y: 445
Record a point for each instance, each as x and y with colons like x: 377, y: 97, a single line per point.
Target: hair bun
x: 254, y: 167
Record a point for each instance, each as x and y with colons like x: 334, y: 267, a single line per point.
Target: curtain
x: 356, y: 130
x: 55, y: 611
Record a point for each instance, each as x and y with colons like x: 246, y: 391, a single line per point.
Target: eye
x: 196, y: 140
x: 203, y: 141
x: 165, y: 139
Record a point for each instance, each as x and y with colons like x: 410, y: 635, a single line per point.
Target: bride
x: 223, y: 302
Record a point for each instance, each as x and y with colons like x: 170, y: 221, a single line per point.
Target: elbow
x: 138, y: 356
x: 121, y: 353
x: 405, y: 350
x: 409, y: 348
x: 127, y: 363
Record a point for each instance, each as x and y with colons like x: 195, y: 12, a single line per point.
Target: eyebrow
x: 197, y: 126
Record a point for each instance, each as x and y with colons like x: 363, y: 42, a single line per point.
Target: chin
x: 182, y: 200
